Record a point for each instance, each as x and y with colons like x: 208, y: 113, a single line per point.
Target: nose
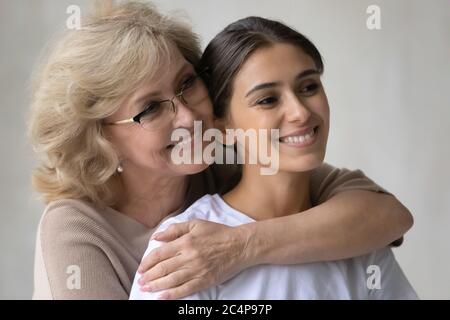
x: 296, y: 110
x: 184, y: 117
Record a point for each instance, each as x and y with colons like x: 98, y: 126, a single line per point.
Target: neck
x: 148, y: 197
x: 269, y: 196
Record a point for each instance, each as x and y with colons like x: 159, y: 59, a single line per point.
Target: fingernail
x: 141, y: 281
x: 154, y: 236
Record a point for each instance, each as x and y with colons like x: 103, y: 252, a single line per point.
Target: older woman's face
x: 143, y: 149
x: 278, y: 87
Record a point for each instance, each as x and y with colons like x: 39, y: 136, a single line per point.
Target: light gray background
x: 389, y: 97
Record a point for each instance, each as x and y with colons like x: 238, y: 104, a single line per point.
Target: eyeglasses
x: 159, y: 113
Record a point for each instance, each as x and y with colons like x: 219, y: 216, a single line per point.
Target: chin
x: 302, y: 164
x: 189, y: 169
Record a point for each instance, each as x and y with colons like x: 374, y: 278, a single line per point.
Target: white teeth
x: 299, y: 139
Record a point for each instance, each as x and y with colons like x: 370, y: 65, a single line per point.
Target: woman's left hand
x: 200, y: 254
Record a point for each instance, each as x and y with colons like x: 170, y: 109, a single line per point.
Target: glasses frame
x: 179, y: 95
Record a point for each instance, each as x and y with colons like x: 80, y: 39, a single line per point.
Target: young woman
x: 107, y: 177
x: 263, y: 75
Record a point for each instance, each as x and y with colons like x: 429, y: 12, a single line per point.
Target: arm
x: 351, y: 223
x: 76, y: 266
x: 347, y: 221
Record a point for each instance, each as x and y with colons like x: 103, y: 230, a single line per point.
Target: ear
x: 222, y: 124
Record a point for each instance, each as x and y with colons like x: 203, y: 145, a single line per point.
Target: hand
x: 200, y: 254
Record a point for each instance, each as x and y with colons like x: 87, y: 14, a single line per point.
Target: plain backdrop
x: 389, y: 93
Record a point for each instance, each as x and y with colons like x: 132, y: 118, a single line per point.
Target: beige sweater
x: 85, y: 253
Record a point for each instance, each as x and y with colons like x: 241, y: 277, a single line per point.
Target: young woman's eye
x: 268, y: 101
x: 310, y: 89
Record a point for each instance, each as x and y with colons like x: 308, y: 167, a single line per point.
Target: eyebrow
x: 274, y: 84
x: 158, y: 93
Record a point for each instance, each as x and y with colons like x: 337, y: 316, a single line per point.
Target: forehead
x: 165, y: 73
x: 277, y: 62
x: 163, y: 80
x: 160, y: 82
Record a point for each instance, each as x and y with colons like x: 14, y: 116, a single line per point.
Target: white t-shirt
x: 373, y: 276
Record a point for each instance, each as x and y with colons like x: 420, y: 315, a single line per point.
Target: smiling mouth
x: 304, y: 139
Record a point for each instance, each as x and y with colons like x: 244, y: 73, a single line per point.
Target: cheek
x: 141, y: 147
x: 325, y: 111
x: 259, y: 121
x: 321, y: 109
x: 325, y: 116
x: 150, y: 142
x: 245, y: 117
x: 205, y: 113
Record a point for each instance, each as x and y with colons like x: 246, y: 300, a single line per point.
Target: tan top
x: 85, y: 253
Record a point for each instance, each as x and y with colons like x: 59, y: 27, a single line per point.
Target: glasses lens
x: 157, y: 115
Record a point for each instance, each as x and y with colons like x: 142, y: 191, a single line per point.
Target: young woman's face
x: 144, y: 148
x: 278, y: 87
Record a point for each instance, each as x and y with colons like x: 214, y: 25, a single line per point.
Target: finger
x: 162, y: 269
x: 169, y: 281
x: 173, y: 232
x: 164, y: 252
x: 186, y: 289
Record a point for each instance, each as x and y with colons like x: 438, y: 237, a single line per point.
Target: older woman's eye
x: 151, y: 107
x: 151, y: 110
x: 189, y: 82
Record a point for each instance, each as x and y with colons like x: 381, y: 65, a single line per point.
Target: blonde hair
x: 86, y: 76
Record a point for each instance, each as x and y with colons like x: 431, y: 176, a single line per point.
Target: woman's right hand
x: 199, y: 254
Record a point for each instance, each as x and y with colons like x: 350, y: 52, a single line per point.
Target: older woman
x: 105, y: 102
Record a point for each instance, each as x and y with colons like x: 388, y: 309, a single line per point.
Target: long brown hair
x: 227, y: 52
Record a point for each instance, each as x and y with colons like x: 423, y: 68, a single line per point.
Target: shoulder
x: 326, y: 174
x: 71, y: 206
x: 74, y: 239
x: 393, y: 282
x: 327, y: 181
x: 70, y: 214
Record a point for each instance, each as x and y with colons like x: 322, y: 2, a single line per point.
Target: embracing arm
x: 352, y: 216
x: 351, y: 223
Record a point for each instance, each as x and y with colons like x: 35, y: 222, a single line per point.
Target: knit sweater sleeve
x: 327, y: 181
x: 77, y: 258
